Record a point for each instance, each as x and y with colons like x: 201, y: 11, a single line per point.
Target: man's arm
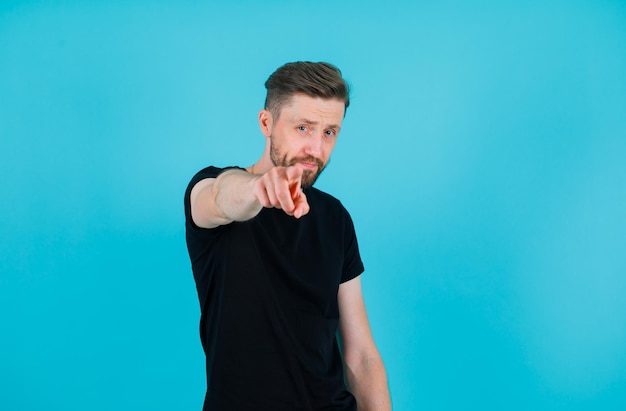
x: 236, y: 195
x: 367, y: 379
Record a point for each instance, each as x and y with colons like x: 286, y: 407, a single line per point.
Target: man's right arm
x: 236, y: 195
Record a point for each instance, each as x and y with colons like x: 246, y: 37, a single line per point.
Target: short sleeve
x: 352, y: 263
x: 209, y: 172
x: 198, y: 239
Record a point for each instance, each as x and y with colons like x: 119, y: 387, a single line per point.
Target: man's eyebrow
x: 306, y: 121
x: 313, y: 122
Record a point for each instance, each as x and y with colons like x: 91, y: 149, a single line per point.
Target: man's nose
x: 314, y: 144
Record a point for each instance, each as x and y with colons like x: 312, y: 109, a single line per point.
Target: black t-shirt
x: 268, y: 294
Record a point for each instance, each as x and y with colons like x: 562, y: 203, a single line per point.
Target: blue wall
x: 482, y: 159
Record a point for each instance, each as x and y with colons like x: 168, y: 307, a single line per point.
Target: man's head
x: 305, y: 106
x: 303, y: 77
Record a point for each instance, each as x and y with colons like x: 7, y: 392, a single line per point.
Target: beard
x: 308, y: 176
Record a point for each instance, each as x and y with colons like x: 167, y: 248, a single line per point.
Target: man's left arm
x: 365, y: 372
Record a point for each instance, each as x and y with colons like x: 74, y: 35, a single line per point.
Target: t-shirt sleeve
x: 352, y: 263
x: 209, y: 172
x: 198, y: 238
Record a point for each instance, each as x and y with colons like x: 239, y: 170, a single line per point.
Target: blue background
x: 482, y: 159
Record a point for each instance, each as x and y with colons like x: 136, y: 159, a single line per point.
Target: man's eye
x: 302, y: 128
x: 330, y: 133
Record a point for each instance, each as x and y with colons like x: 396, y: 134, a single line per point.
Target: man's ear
x: 266, y: 122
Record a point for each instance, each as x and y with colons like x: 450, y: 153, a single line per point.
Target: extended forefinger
x: 294, y: 175
x: 287, y: 183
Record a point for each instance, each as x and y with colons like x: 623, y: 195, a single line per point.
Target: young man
x: 277, y: 265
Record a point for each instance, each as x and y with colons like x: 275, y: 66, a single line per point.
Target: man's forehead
x: 299, y: 105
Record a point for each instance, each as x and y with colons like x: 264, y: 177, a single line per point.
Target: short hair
x: 313, y: 79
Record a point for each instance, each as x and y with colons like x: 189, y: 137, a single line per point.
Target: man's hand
x: 280, y: 187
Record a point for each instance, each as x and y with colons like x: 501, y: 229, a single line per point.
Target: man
x: 277, y: 265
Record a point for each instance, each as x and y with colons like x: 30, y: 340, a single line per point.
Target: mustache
x: 308, y: 159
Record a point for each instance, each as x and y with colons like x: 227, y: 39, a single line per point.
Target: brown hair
x: 313, y: 79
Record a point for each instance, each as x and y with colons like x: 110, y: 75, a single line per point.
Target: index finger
x: 294, y: 176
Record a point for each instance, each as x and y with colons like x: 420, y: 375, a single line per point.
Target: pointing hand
x: 281, y: 188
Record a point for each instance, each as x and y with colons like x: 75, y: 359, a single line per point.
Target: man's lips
x: 308, y: 166
x: 311, y: 164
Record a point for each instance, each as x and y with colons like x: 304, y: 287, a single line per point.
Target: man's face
x: 305, y: 133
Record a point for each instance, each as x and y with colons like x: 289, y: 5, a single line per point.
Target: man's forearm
x: 368, y: 384
x: 234, y: 195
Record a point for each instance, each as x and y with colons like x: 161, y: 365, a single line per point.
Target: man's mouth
x: 308, y: 166
x: 310, y: 163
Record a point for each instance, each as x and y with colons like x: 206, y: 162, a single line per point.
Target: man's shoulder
x: 211, y: 172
